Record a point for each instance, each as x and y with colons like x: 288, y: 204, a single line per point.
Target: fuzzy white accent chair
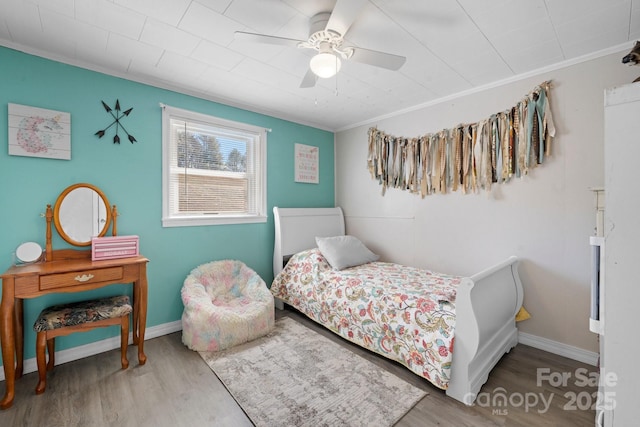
x: 226, y: 303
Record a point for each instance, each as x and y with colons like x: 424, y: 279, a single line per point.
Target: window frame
x: 169, y: 220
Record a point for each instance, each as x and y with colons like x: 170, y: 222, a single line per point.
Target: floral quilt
x: 403, y: 313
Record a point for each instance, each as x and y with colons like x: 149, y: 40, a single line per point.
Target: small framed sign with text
x: 307, y: 159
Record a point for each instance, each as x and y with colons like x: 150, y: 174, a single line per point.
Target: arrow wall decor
x: 117, y: 116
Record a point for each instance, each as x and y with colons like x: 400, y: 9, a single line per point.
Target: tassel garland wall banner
x: 469, y: 157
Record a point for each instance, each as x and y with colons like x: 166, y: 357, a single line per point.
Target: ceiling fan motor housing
x: 324, y: 40
x: 318, y: 22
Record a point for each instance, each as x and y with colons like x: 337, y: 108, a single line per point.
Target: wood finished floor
x: 176, y: 388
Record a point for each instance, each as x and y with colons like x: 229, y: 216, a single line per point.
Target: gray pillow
x: 344, y: 251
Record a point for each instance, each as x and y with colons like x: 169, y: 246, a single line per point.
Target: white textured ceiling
x: 451, y: 46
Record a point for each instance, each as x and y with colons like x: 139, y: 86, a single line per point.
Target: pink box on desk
x: 114, y: 247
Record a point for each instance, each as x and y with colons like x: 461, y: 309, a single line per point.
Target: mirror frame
x: 56, y: 213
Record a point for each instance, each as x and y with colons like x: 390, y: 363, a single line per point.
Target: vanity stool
x: 64, y: 319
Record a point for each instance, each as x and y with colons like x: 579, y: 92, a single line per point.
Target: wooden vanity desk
x: 65, y: 271
x: 66, y: 275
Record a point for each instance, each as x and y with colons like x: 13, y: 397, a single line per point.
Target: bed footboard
x: 486, y: 305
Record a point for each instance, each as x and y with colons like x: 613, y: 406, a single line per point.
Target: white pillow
x: 345, y: 251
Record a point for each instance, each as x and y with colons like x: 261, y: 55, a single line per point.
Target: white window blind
x: 214, y: 170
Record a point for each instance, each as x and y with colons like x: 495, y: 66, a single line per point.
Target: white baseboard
x: 97, y: 347
x: 80, y: 352
x: 555, y: 347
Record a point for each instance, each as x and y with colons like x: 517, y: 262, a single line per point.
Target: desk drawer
x: 53, y: 281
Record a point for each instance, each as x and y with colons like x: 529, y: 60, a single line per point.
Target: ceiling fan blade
x: 263, y: 38
x: 309, y: 80
x: 378, y: 59
x: 343, y: 15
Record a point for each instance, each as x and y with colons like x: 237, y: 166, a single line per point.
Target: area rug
x: 297, y: 377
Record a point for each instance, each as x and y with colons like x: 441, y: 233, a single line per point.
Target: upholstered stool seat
x: 225, y: 303
x: 64, y: 319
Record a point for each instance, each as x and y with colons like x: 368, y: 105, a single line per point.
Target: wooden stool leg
x: 41, y: 342
x: 124, y: 341
x: 51, y: 349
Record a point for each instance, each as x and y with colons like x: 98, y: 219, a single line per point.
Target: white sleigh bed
x: 485, y: 303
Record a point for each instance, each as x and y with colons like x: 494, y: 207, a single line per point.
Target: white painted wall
x: 545, y: 219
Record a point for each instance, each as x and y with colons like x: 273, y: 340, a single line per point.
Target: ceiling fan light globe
x: 325, y: 65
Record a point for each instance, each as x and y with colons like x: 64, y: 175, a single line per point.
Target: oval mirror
x: 81, y: 212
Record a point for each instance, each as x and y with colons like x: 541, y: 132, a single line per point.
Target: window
x: 214, y: 170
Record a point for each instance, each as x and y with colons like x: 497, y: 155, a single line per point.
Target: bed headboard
x: 297, y: 229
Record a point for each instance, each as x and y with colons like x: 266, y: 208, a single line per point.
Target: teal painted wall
x: 131, y: 177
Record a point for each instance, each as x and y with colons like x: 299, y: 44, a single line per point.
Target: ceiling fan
x: 326, y: 36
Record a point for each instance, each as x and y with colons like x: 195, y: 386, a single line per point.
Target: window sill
x: 195, y: 221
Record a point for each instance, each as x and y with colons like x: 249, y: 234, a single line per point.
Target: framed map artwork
x: 37, y: 132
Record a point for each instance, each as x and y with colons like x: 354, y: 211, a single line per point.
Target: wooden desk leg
x: 141, y: 301
x: 7, y: 337
x: 18, y: 322
x: 136, y: 312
